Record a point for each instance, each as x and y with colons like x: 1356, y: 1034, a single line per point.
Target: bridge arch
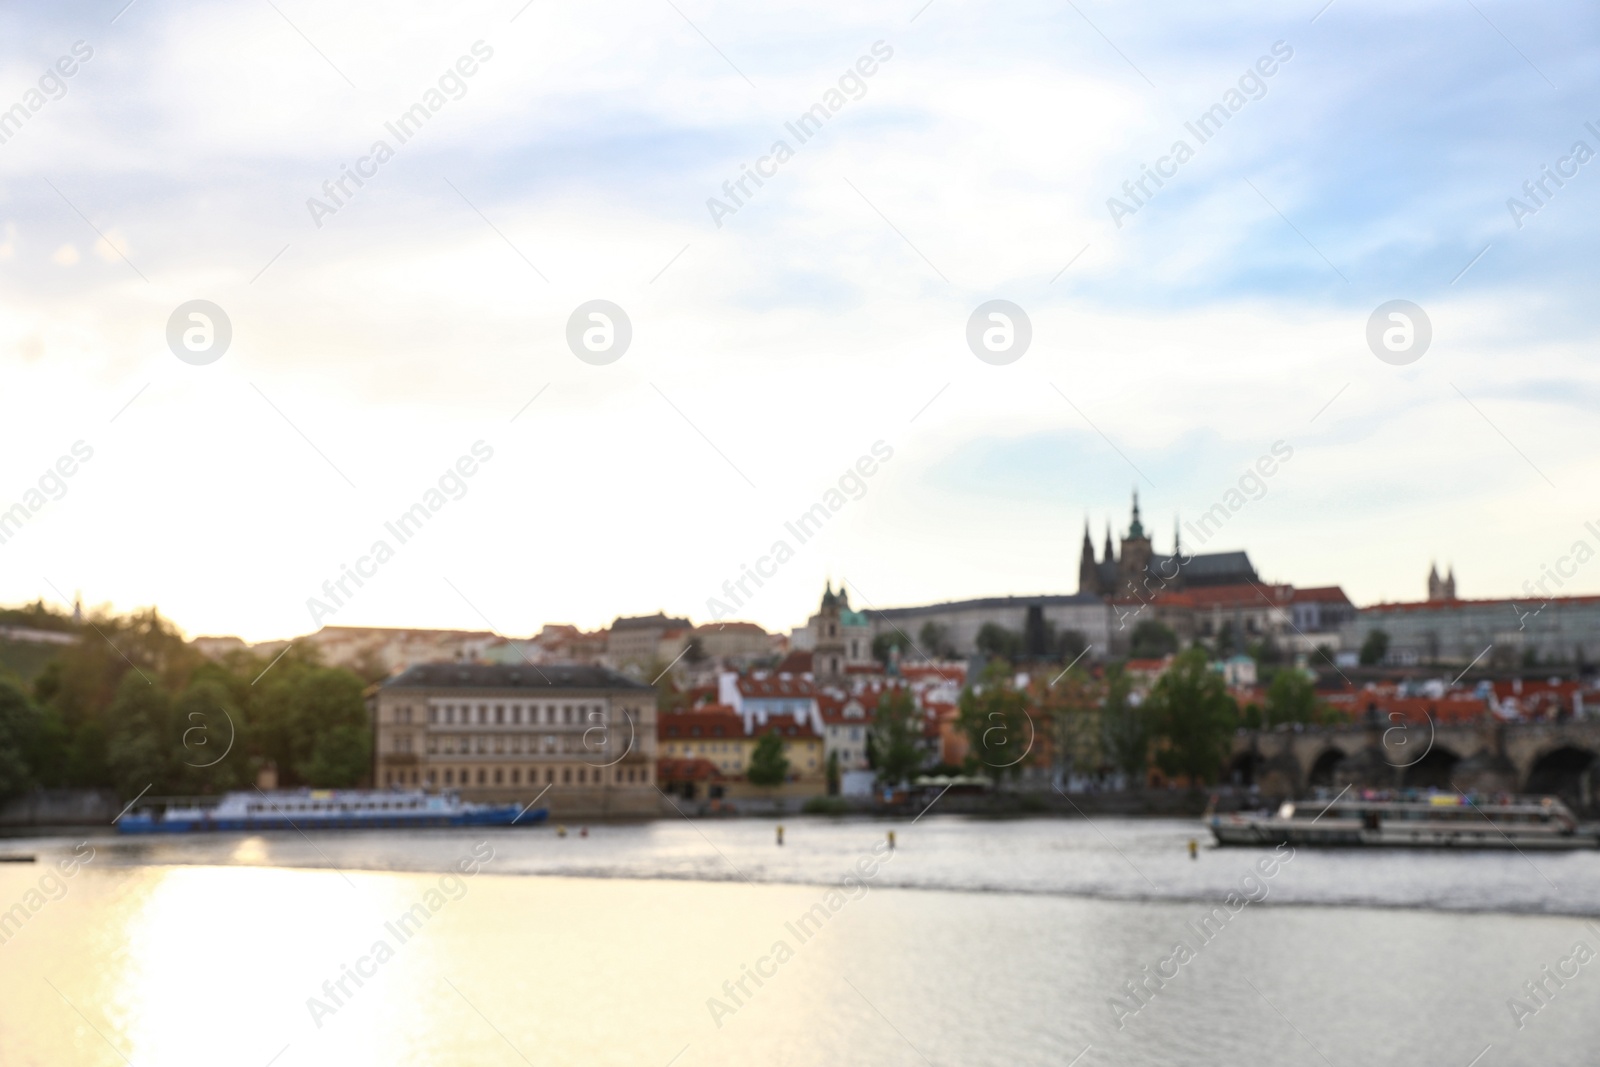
x: 1325, y: 768
x: 1433, y: 770
x: 1568, y: 771
x: 1245, y: 767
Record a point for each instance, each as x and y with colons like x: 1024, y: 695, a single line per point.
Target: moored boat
x: 1410, y: 820
x: 318, y: 809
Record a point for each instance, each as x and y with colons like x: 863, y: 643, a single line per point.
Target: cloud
x: 821, y: 317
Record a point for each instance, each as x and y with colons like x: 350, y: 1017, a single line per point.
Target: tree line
x: 1094, y: 726
x: 132, y: 705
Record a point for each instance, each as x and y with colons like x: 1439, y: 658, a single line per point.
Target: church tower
x: 1136, y: 552
x: 1088, y: 573
x: 1435, y: 585
x: 828, y: 649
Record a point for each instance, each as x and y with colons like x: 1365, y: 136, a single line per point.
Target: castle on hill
x: 1127, y: 574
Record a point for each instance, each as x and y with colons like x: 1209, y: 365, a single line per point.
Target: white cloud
x: 806, y: 328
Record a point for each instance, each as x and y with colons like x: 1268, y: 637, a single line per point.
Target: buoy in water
x: 1194, y: 849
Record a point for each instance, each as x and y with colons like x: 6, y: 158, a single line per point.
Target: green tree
x: 881, y: 646
x: 1127, y: 727
x: 84, y: 682
x: 1374, y: 648
x: 1227, y: 639
x: 896, y: 737
x: 19, y: 721
x: 142, y: 745
x: 1070, y: 645
x: 768, y: 765
x: 994, y: 716
x: 833, y: 773
x: 214, y: 757
x: 1153, y: 640
x: 341, y: 758
x: 997, y: 642
x: 1290, y: 698
x: 1192, y: 718
x: 934, y: 637
x: 1071, y: 704
x: 311, y: 723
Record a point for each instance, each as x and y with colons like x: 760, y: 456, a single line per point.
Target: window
x: 499, y: 776
x: 483, y: 713
x: 482, y: 776
x: 500, y: 713
x: 566, y: 713
x: 433, y: 715
x: 566, y: 776
x: 516, y: 776
x: 581, y: 773
x: 449, y: 777
x: 550, y: 775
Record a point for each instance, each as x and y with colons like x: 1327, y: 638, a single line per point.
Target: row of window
x: 505, y: 714
x: 342, y: 807
x: 467, y: 776
x: 516, y: 743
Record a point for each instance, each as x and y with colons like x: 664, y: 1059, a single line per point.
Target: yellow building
x: 580, y: 740
x: 705, y: 753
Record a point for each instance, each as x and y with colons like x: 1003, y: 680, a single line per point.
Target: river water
x: 706, y: 943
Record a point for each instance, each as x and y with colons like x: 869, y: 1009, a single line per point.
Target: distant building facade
x: 645, y: 639
x: 1560, y: 630
x: 505, y: 733
x: 1034, y: 618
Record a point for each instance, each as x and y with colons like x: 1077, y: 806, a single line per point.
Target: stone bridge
x: 1562, y: 758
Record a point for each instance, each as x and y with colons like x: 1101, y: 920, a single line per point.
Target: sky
x: 783, y: 332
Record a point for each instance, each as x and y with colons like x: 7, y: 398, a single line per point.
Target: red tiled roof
x: 686, y: 770
x: 789, y: 730
x: 685, y: 725
x: 1323, y: 594
x: 796, y: 663
x: 955, y: 672
x: 1452, y: 707
x: 1259, y: 594
x: 742, y: 627
x: 1431, y: 605
x: 781, y: 684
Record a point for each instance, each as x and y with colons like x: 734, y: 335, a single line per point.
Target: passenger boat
x: 1411, y: 820
x: 319, y: 809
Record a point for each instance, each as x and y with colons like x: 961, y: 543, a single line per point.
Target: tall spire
x: 1177, y: 541
x: 1136, y: 530
x: 1110, y: 555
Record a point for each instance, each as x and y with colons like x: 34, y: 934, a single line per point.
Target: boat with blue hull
x: 319, y: 809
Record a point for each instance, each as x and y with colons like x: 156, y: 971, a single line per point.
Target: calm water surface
x: 978, y: 942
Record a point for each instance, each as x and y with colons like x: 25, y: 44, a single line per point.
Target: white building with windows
x: 583, y: 739
x: 845, y: 727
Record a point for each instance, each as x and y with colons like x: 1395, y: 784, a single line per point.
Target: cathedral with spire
x: 1441, y: 588
x: 1140, y: 571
